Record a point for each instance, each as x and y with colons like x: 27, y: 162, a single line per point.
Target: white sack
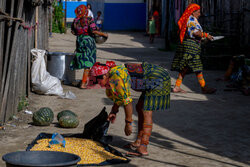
x: 42, y: 81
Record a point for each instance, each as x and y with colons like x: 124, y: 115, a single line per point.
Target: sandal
x: 130, y: 146
x: 136, y: 153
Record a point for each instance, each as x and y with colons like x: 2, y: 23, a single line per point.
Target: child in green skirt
x: 151, y: 29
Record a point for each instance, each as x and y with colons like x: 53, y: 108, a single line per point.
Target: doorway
x: 97, y: 5
x: 155, y: 8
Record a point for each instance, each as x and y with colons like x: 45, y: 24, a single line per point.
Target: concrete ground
x: 198, y: 130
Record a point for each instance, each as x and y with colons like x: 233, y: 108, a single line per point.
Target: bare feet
x: 178, y: 90
x: 207, y: 90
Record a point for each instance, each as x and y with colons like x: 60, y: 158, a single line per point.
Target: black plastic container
x: 40, y: 159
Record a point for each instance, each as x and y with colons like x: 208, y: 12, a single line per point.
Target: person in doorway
x: 90, y: 13
x: 187, y: 58
x: 157, y: 22
x: 99, y: 20
x: 154, y: 84
x: 151, y: 29
x: 84, y: 28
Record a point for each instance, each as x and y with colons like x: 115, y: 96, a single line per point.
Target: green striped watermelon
x: 65, y: 113
x: 68, y: 121
x: 43, y: 117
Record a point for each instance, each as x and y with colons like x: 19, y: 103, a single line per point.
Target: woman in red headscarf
x: 187, y: 58
x: 84, y: 28
x: 154, y: 84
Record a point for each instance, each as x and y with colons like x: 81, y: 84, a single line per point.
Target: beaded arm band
x: 204, y: 35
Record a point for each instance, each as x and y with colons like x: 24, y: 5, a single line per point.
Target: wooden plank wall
x: 2, y: 28
x: 230, y: 18
x: 16, y: 41
x: 245, y: 37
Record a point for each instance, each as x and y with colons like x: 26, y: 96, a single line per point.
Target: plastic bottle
x: 57, y: 139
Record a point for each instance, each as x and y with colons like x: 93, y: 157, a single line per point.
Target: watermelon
x: 65, y: 113
x: 68, y: 121
x: 43, y: 117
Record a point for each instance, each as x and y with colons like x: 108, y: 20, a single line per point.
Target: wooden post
x: 36, y: 29
x: 2, y: 27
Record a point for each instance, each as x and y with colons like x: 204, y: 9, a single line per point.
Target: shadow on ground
x: 118, y: 140
x: 222, y: 132
x: 219, y: 126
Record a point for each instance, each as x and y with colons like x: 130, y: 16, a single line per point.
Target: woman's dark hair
x: 89, y: 6
x: 97, y: 78
x: 99, y: 12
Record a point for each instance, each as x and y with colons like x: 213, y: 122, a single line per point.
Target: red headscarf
x: 98, y: 69
x: 81, y: 11
x: 182, y: 23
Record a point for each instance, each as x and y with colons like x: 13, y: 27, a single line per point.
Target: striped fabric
x: 188, y: 56
x: 158, y: 85
x: 85, y: 53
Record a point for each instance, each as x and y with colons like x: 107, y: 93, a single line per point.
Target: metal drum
x: 58, y: 65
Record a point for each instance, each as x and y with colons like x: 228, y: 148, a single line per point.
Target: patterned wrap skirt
x: 188, y: 56
x: 85, y: 53
x: 157, y: 83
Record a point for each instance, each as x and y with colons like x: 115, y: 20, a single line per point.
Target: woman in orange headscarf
x: 187, y: 58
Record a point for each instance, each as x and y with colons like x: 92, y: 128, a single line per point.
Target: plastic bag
x: 68, y: 95
x: 42, y: 81
x: 57, y: 139
x: 97, y: 128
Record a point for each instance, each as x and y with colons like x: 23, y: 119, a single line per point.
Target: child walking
x: 152, y: 29
x: 99, y: 20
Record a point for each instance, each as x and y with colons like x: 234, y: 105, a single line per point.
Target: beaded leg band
x: 147, y: 128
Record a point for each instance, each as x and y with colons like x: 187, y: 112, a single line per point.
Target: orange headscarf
x: 81, y: 11
x: 182, y: 23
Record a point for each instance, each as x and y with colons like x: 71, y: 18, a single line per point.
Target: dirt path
x: 198, y: 130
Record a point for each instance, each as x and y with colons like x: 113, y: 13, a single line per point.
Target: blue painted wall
x: 117, y: 16
x: 124, y: 16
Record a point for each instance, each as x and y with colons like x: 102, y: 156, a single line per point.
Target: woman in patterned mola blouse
x: 84, y: 28
x: 187, y: 58
x: 152, y: 81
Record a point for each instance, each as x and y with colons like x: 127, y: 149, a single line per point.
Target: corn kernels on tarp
x: 91, y: 152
